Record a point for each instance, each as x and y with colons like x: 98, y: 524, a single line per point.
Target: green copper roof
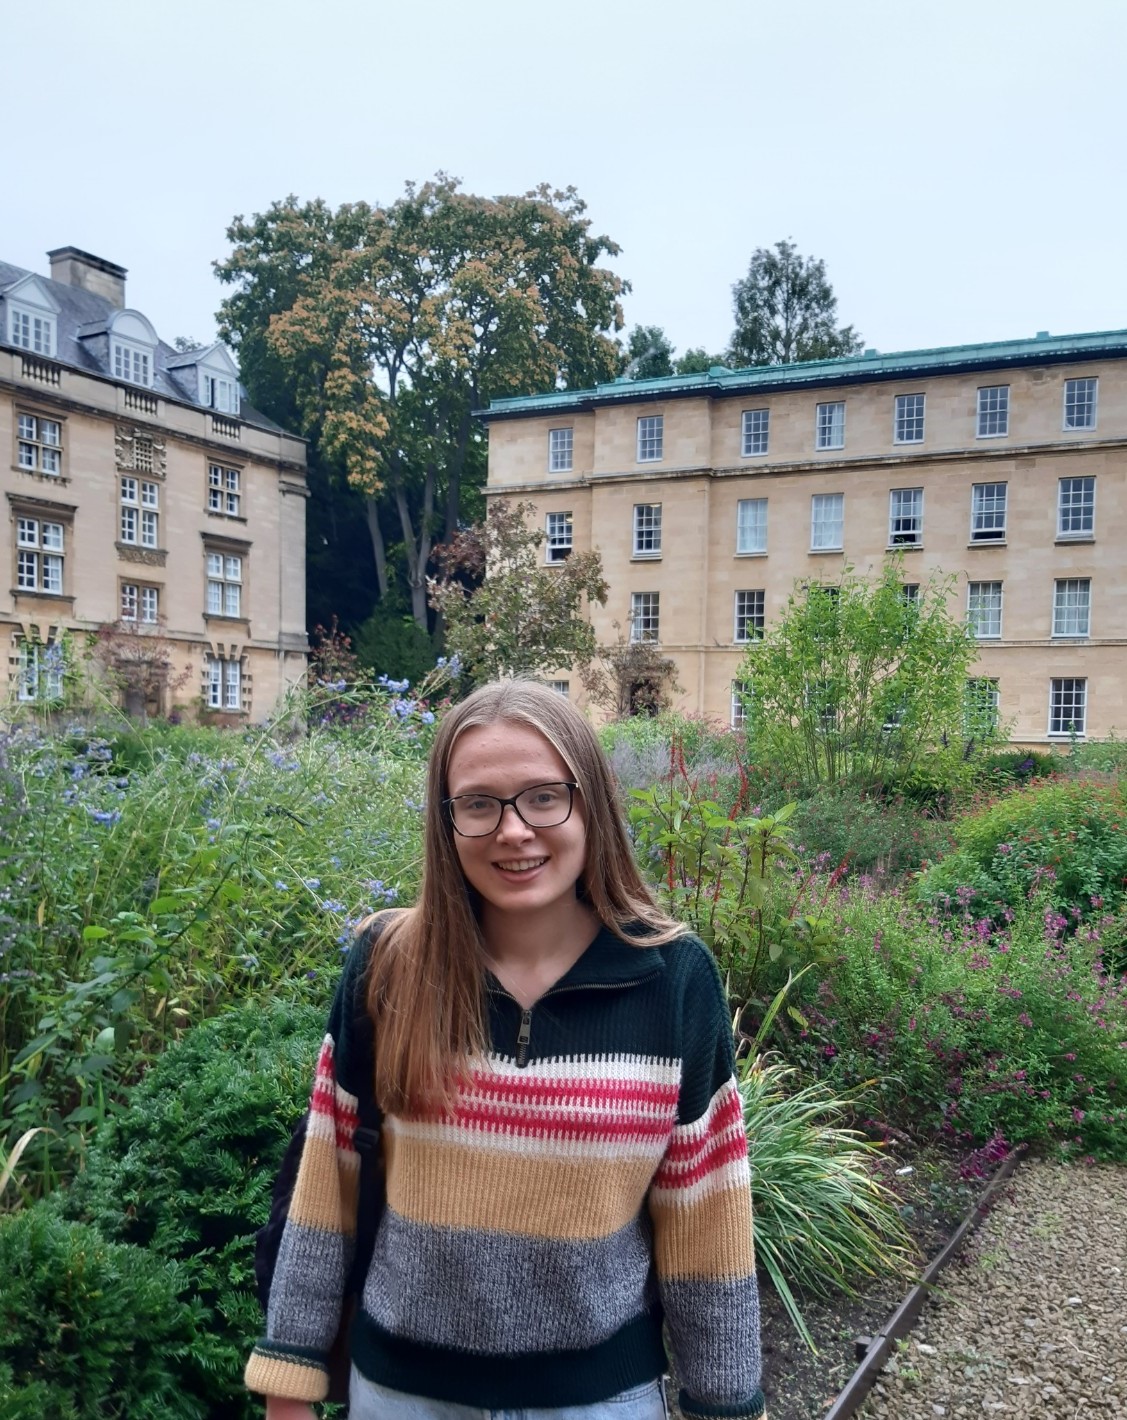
x: 1043, y: 349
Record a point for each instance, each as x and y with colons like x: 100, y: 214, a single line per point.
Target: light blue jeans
x: 368, y: 1401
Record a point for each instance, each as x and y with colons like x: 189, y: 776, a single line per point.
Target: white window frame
x: 32, y: 330
x: 993, y: 408
x: 738, y: 716
x: 975, y: 613
x: 984, y: 507
x: 219, y: 392
x: 755, y: 433
x: 30, y: 672
x: 224, y: 572
x: 908, y: 417
x: 1077, y: 688
x: 1072, y: 605
x: 645, y: 542
x: 140, y: 602
x: 561, y: 449
x: 128, y: 360
x: 1091, y: 406
x: 224, y: 490
x: 559, y: 537
x: 561, y: 687
x: 138, y: 511
x: 38, y: 449
x: 819, y: 502
x: 748, y: 615
x: 224, y: 683
x: 1086, y: 505
x: 651, y: 438
x: 751, y: 527
x: 902, y: 535
x: 829, y: 425
x: 40, y: 556
x: 645, y: 617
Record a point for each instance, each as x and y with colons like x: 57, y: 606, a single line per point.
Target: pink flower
x: 1025, y: 1019
x: 1078, y: 1115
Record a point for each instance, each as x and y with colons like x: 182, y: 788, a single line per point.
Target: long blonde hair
x: 426, y: 980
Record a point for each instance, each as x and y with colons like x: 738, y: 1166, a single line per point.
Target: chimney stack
x: 90, y: 273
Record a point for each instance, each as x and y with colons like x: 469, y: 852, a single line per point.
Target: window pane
x: 559, y: 537
x: 149, y: 604
x: 756, y: 431
x: 1072, y: 606
x: 749, y: 616
x: 1068, y: 706
x: 751, y: 525
x: 981, y: 706
x: 129, y: 490
x: 647, y: 529
x: 233, y: 569
x: 129, y: 524
x: 830, y: 427
x: 52, y: 536
x: 231, y: 599
x: 559, y: 450
x: 988, y: 512
x: 214, y: 564
x: 148, y: 529
x: 984, y: 609
x: 650, y: 438
x: 128, y: 601
x: 1076, y: 507
x: 215, y: 598
x: 909, y: 419
x: 827, y: 518
x: 1080, y: 404
x: 993, y: 411
x: 52, y: 573
x: 905, y: 517
x: 644, y: 616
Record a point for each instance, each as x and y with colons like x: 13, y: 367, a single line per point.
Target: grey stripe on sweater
x: 718, y: 1321
x: 500, y: 1294
x: 308, y: 1286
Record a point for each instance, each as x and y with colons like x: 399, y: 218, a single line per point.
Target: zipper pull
x: 524, y: 1035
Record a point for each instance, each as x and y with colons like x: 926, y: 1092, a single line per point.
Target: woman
x: 562, y: 1134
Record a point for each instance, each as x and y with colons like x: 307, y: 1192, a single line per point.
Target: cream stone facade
x: 1004, y: 465
x: 141, y: 490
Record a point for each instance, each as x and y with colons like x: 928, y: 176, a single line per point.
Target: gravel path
x: 1031, y: 1319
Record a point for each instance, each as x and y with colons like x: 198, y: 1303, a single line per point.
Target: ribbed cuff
x: 292, y: 1377
x: 753, y: 1409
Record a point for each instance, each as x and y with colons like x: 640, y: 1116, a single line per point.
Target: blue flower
x: 311, y: 883
x: 212, y: 823
x: 427, y: 717
x: 107, y: 816
x: 335, y: 861
x: 280, y: 885
x: 331, y: 904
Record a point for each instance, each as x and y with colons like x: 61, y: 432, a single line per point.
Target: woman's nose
x: 512, y: 825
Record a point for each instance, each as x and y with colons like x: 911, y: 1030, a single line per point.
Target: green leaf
x: 94, y: 934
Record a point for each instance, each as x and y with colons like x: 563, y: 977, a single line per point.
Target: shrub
x: 1005, y: 767
x: 823, y: 1220
x: 90, y: 1328
x: 973, y: 1029
x: 186, y: 1170
x: 881, y: 837
x: 1067, y: 834
x: 134, y: 904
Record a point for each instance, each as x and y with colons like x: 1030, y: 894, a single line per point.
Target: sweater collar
x: 608, y: 961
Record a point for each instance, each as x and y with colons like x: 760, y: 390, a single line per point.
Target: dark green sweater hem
x: 633, y: 1356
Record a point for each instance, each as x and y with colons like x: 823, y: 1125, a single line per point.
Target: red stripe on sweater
x: 558, y: 1124
x: 728, y: 1152
x: 576, y: 1091
x: 729, y: 1115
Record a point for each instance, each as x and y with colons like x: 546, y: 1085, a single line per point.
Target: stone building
x: 710, y: 496
x: 143, y: 491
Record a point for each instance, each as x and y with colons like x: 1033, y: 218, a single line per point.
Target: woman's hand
x: 278, y: 1408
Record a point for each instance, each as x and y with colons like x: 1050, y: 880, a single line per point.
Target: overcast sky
x: 958, y: 164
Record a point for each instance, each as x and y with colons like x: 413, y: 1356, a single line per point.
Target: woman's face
x: 516, y: 868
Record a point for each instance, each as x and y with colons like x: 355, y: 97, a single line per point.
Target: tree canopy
x: 379, y: 330
x: 785, y: 310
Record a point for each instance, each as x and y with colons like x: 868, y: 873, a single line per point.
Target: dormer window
x: 31, y: 330
x: 219, y: 393
x: 132, y: 363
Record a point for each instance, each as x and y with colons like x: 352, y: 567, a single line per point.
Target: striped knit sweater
x: 591, y: 1182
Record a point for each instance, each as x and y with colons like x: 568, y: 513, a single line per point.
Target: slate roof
x: 82, y: 313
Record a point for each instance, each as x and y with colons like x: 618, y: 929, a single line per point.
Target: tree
x: 786, y: 310
x: 697, y: 361
x: 387, y: 327
x: 507, y: 613
x: 649, y: 353
x: 135, y: 660
x: 864, y: 681
x: 631, y: 678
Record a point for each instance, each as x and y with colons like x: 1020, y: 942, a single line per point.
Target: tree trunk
x: 418, y: 551
x: 379, y: 551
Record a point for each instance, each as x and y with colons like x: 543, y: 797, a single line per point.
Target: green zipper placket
x: 524, y: 1030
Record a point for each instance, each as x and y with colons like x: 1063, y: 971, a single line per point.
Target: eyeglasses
x: 541, y: 806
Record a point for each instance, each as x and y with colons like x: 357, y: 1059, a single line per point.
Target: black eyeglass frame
x: 569, y: 784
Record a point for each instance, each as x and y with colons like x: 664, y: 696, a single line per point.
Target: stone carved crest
x: 140, y: 450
